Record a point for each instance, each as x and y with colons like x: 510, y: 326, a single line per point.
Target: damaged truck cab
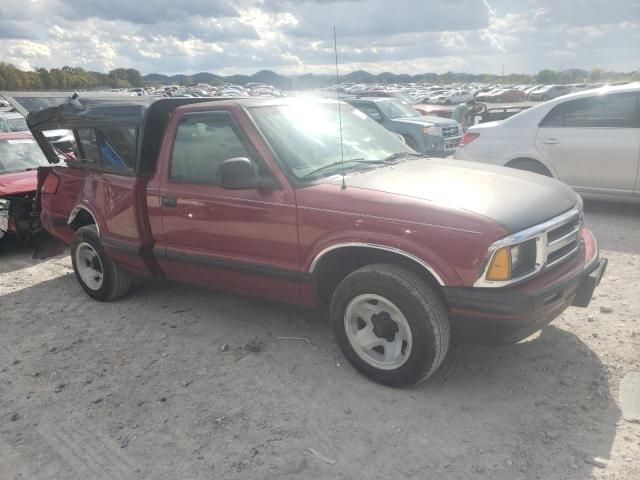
x: 259, y: 196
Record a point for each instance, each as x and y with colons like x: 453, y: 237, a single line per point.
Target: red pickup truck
x: 269, y: 197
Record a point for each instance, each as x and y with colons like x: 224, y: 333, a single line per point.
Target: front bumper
x: 441, y: 146
x: 508, y: 315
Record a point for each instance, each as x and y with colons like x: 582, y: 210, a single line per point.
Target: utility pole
x: 503, y: 69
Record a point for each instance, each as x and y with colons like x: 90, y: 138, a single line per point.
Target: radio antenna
x: 335, y: 48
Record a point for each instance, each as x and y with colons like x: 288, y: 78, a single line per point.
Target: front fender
x: 442, y: 270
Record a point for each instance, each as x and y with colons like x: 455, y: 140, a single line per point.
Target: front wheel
x: 411, y: 143
x: 390, y: 324
x: 100, y: 278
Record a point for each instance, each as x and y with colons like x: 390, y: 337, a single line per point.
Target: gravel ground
x: 178, y: 382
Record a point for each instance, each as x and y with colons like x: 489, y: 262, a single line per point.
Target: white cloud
x: 24, y: 54
x: 294, y: 36
x: 453, y: 40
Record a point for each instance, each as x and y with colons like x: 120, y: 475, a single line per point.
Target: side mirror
x: 240, y: 173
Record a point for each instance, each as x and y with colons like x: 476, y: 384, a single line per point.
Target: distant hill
x: 309, y: 80
x: 264, y: 76
x: 279, y: 81
x: 358, y: 76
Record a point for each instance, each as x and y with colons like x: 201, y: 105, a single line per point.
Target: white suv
x: 589, y: 140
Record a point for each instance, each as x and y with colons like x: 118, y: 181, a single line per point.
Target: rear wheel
x: 529, y: 165
x: 390, y: 324
x: 102, y: 279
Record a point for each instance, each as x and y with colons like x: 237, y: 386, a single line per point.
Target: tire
x: 447, y: 102
x: 529, y: 165
x: 411, y: 143
x: 416, y: 341
x: 90, y: 263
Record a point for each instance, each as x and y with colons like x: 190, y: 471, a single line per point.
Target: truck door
x: 242, y: 239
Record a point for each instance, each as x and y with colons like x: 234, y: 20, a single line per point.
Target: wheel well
x: 409, y: 140
x: 335, y: 265
x: 82, y: 219
x: 530, y: 165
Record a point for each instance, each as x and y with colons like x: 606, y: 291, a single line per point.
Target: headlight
x: 433, y: 131
x: 516, y: 258
x: 4, y: 204
x: 512, y: 262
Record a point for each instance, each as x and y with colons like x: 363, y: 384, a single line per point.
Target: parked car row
x: 502, y: 95
x: 204, y: 90
x: 459, y: 93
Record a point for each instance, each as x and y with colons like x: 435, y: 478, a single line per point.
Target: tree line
x: 66, y: 78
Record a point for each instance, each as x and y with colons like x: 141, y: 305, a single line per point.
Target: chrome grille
x: 451, y: 131
x: 562, y: 241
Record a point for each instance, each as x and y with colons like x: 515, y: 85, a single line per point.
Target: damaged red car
x: 20, y: 158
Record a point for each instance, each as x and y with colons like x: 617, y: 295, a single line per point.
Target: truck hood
x: 426, y: 121
x: 513, y: 198
x: 18, y: 183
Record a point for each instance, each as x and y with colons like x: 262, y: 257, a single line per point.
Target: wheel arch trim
x: 532, y: 155
x: 397, y: 251
x: 77, y: 209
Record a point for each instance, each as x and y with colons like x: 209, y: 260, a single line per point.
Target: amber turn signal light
x: 500, y: 267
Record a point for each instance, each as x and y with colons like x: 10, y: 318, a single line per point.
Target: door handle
x: 551, y: 141
x: 169, y: 202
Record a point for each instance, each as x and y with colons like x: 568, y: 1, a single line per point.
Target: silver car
x: 550, y: 91
x: 589, y: 140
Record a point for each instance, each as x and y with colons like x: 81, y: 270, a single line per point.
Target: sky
x: 295, y: 36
